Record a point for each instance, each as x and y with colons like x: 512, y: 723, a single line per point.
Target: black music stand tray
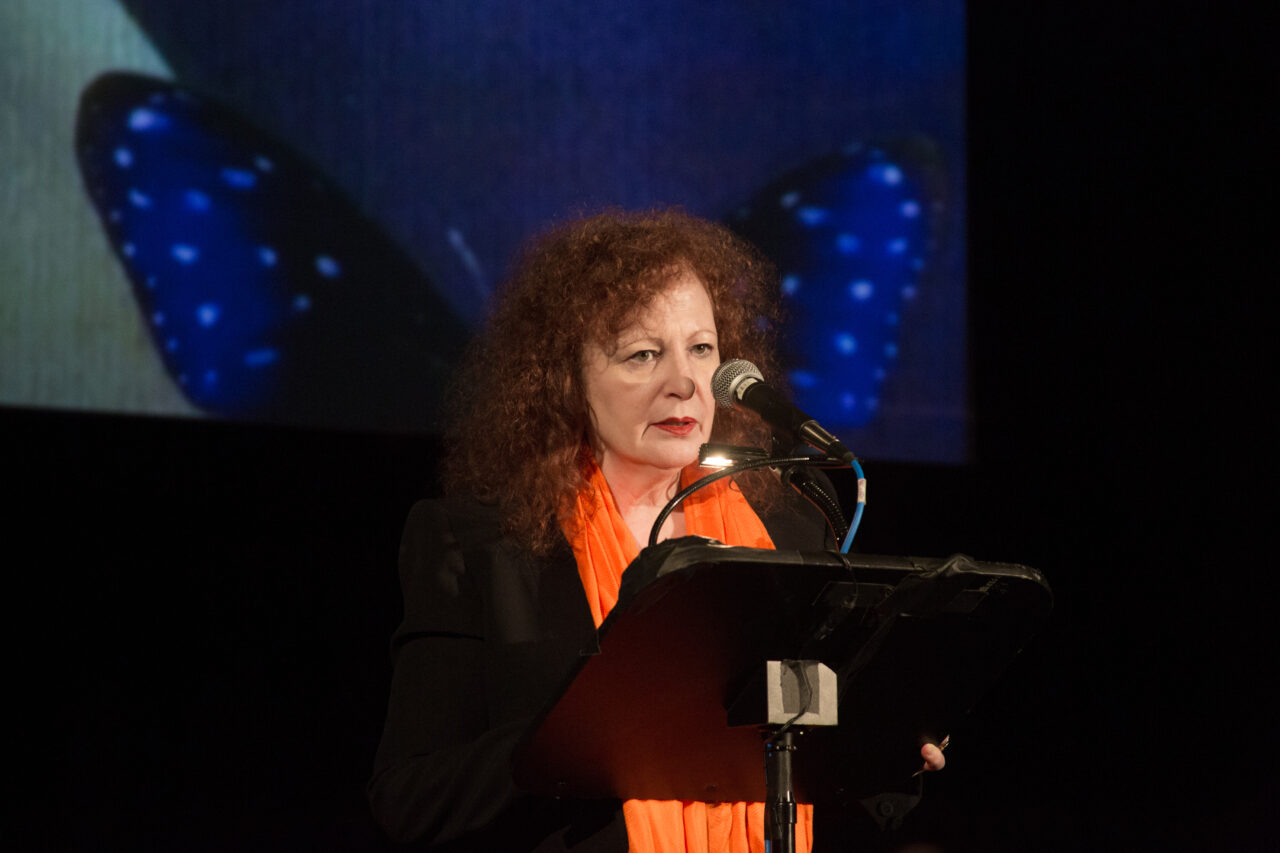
x: 914, y: 644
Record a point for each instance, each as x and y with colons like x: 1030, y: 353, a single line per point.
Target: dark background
x: 197, y: 613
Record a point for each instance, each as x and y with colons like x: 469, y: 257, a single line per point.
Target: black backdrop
x: 197, y: 613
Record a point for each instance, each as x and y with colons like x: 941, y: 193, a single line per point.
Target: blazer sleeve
x: 472, y: 664
x: 441, y: 770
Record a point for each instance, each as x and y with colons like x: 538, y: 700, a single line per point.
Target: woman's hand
x: 933, y: 757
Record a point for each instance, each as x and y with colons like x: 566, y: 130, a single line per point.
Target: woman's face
x: 650, y: 396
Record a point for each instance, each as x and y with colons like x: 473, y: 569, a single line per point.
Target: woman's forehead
x: 681, y: 296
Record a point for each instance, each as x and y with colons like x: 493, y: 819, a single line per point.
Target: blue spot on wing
x: 851, y: 235
x: 268, y: 296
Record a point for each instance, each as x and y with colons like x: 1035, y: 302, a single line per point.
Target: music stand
x: 914, y: 643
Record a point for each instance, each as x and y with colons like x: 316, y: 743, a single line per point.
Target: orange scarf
x: 603, y: 546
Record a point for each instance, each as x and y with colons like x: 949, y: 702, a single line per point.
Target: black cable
x: 811, y: 489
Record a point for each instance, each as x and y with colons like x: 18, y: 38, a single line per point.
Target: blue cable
x: 857, y: 512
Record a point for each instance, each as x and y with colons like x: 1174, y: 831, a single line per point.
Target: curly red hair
x: 518, y: 430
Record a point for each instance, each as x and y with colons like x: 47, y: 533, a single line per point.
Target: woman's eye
x: 643, y: 356
x: 703, y: 349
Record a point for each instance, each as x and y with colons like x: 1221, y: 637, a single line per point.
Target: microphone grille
x: 727, y: 378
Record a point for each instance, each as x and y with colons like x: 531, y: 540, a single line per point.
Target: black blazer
x: 489, y: 637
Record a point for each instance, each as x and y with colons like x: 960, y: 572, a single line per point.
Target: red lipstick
x: 678, y: 426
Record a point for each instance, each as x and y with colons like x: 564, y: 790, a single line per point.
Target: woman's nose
x: 680, y: 382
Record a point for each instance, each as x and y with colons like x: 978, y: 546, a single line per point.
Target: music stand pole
x: 780, y: 801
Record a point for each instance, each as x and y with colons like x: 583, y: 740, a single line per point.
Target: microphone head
x: 731, y: 379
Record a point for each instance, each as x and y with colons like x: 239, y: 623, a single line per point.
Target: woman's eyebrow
x: 640, y: 338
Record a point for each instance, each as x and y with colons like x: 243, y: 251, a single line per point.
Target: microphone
x: 739, y: 384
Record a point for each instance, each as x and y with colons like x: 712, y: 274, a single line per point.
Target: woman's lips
x: 677, y: 426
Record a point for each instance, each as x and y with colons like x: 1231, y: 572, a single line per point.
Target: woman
x: 581, y: 413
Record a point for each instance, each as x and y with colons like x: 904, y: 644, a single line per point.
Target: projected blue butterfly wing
x: 267, y: 295
x: 851, y: 234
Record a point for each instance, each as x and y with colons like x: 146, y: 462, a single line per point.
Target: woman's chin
x: 686, y: 456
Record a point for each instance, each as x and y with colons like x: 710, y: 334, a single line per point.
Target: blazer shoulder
x: 794, y: 524
x: 438, y: 575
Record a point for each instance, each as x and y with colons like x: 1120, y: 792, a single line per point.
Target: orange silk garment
x: 604, y: 547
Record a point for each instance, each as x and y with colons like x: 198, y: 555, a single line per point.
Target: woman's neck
x: 640, y: 494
